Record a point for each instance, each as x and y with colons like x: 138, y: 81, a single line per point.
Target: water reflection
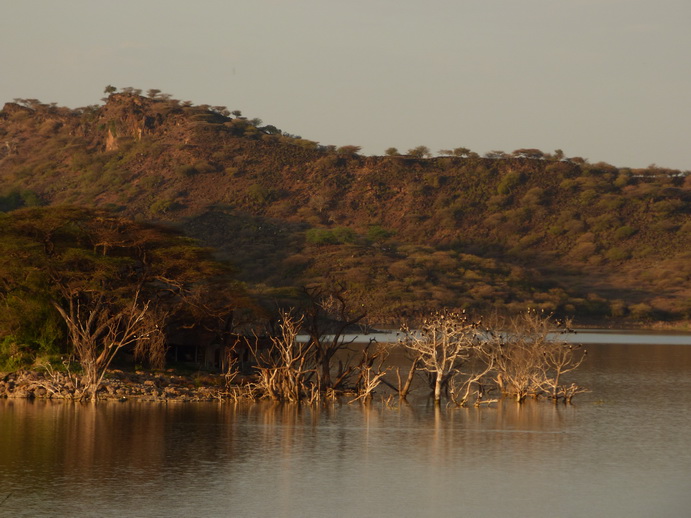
x: 621, y: 450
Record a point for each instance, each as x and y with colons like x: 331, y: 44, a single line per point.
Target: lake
x: 621, y: 450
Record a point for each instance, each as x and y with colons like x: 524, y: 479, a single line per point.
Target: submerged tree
x: 520, y: 357
x: 530, y: 358
x: 285, y: 368
x: 443, y: 343
x: 329, y: 314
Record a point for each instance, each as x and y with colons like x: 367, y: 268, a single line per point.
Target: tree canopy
x: 90, y: 267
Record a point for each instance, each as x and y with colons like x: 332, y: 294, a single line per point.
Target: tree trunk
x: 403, y: 392
x: 437, y: 386
x: 325, y: 372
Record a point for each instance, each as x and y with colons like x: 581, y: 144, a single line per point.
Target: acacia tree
x: 462, y: 152
x: 113, y: 281
x: 348, y: 150
x: 419, y: 152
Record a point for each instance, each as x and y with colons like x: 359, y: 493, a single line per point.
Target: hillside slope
x: 404, y: 233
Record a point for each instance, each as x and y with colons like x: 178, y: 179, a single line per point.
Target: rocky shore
x: 117, y: 385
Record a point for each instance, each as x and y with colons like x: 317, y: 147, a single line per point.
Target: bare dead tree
x: 560, y: 358
x: 403, y: 387
x: 151, y: 346
x: 98, y: 329
x: 529, y: 357
x: 61, y: 383
x: 517, y: 367
x: 474, y: 380
x: 328, y: 316
x: 442, y: 344
x: 567, y: 392
x: 285, y: 368
x: 371, y: 371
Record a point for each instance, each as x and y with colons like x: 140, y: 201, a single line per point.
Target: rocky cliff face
x: 128, y: 118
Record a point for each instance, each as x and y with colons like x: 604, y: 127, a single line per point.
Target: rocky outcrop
x: 118, y: 385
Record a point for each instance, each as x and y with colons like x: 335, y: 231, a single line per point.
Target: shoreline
x: 162, y: 386
x: 118, y: 385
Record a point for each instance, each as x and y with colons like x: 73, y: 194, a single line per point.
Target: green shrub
x: 11, y: 201
x: 186, y: 171
x: 668, y: 207
x: 508, y: 182
x: 611, y: 203
x: 604, y: 222
x: 664, y: 225
x: 344, y: 235
x: 328, y: 162
x: 164, y: 205
x: 617, y: 254
x: 14, y: 356
x: 568, y: 184
x: 642, y: 310
x: 556, y: 230
x: 534, y: 196
x: 588, y: 196
x: 583, y: 250
x: 320, y: 236
x: 622, y: 180
x: 529, y: 240
x: 348, y: 150
x: 378, y: 234
x: 644, y: 251
x: 260, y: 194
x: 204, y: 167
x: 561, y: 169
x: 617, y: 308
x: 151, y: 181
x: 624, y: 232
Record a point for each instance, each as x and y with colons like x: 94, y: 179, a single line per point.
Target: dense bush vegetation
x: 405, y: 232
x: 85, y: 284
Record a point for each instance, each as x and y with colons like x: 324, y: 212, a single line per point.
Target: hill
x: 403, y: 233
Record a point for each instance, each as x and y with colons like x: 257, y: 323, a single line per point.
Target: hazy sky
x: 608, y: 80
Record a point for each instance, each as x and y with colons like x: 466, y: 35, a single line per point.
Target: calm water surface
x: 622, y: 450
